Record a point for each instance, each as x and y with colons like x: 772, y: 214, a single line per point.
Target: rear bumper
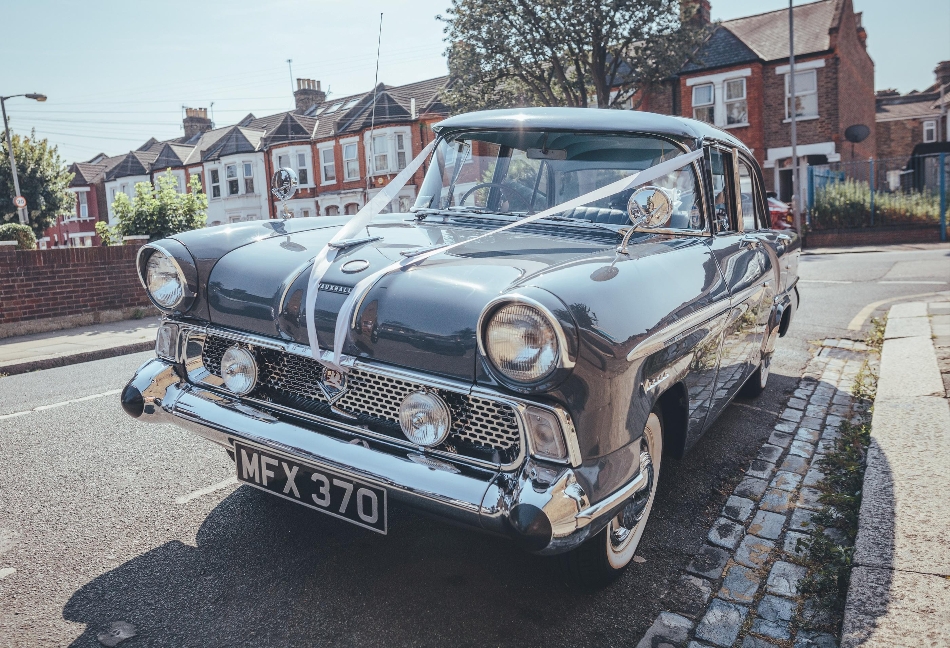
x: 542, y: 506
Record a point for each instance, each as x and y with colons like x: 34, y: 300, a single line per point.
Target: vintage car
x: 574, y: 298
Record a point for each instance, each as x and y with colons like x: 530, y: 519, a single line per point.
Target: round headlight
x: 521, y: 343
x: 238, y: 370
x: 163, y: 281
x: 425, y: 418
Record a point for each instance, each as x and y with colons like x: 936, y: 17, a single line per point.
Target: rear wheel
x: 755, y: 385
x: 602, y: 559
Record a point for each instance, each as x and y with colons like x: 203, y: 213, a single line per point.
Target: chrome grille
x: 480, y: 427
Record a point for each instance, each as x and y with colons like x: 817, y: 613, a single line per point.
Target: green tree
x: 160, y: 211
x: 43, y: 182
x: 583, y: 53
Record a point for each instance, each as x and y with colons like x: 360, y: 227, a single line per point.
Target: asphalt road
x: 106, y: 519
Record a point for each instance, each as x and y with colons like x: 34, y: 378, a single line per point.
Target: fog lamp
x: 239, y: 370
x: 547, y: 439
x: 166, y: 342
x: 424, y: 418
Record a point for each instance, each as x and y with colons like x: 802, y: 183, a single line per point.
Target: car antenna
x: 372, y: 122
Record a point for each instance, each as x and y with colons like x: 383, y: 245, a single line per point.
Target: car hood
x: 423, y: 318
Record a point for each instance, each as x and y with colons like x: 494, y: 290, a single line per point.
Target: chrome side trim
x: 290, y: 282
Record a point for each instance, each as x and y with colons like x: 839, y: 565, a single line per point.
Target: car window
x: 523, y: 172
x: 722, y: 201
x: 752, y: 216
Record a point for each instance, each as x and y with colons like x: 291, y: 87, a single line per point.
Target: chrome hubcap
x: 622, y: 527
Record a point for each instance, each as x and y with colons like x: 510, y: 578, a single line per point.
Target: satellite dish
x: 857, y: 133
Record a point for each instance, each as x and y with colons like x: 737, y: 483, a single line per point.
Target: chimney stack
x: 942, y: 72
x: 196, y: 121
x: 308, y: 94
x: 697, y: 11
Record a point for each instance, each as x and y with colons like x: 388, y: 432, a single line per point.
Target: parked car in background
x: 528, y: 381
x: 780, y: 214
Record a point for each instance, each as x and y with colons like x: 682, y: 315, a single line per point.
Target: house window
x: 400, y: 151
x: 305, y: 213
x: 215, y: 184
x: 351, y: 163
x: 704, y: 108
x: 380, y: 153
x: 806, y: 95
x: 231, y: 173
x: 930, y: 131
x: 248, y: 178
x: 333, y: 210
x: 83, y: 205
x: 327, y: 165
x: 350, y: 209
x: 113, y: 194
x: 737, y: 108
x: 302, y: 174
x: 283, y: 161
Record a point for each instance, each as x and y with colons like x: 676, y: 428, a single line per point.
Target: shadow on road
x: 268, y: 572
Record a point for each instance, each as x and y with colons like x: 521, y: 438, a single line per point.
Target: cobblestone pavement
x: 742, y: 588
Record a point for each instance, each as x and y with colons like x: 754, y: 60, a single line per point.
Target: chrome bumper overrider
x: 540, y: 505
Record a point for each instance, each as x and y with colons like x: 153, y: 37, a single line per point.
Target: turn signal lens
x: 547, y: 439
x: 521, y: 343
x: 425, y: 418
x: 164, y: 283
x: 239, y: 370
x: 166, y: 342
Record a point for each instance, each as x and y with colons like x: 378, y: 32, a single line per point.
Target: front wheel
x: 601, y: 559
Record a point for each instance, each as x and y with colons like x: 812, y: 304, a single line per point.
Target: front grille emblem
x: 333, y: 385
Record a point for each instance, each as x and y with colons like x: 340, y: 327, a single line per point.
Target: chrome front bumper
x: 542, y: 506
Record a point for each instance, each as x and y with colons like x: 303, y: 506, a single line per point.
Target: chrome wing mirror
x: 284, y: 185
x: 648, y: 208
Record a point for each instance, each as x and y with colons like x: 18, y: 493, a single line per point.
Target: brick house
x: 907, y: 121
x: 324, y: 141
x: 738, y: 81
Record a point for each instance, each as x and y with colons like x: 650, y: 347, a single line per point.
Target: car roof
x: 587, y: 119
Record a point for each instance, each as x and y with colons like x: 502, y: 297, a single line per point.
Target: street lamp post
x: 24, y: 218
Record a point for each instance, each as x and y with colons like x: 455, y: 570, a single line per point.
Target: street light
x: 36, y: 96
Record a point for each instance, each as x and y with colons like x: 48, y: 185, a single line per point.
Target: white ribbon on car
x: 365, y: 215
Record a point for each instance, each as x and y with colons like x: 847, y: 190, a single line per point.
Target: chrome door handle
x: 750, y: 241
x: 784, y: 237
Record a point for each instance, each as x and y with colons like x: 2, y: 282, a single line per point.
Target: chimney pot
x: 196, y: 121
x: 942, y: 72
x: 308, y: 94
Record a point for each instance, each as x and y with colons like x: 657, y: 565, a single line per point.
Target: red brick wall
x: 38, y: 284
x: 872, y: 236
x: 897, y: 138
x: 856, y: 101
x: 778, y: 132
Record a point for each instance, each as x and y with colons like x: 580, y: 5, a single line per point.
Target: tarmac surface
x: 109, y: 526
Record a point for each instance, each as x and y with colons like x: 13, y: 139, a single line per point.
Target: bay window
x: 303, y: 174
x: 351, y: 163
x: 83, y: 205
x: 230, y: 171
x: 215, y: 183
x: 248, y: 178
x: 380, y: 153
x: 400, y: 151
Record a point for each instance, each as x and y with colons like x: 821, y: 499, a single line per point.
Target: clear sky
x: 119, y: 72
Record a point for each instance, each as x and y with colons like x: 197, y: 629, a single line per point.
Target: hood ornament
x: 284, y: 185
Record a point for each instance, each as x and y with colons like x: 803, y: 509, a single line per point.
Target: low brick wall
x: 44, y: 290
x: 872, y: 236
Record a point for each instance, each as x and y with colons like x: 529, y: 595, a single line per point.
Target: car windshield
x: 524, y: 172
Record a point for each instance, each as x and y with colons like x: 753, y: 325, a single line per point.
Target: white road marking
x: 40, y: 408
x: 858, y: 322
x: 7, y: 571
x: 827, y: 281
x: 207, y: 489
x: 926, y: 283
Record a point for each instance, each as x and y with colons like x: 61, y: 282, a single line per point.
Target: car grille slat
x: 481, y: 428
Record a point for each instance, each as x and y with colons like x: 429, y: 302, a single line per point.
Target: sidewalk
x: 58, y: 348
x: 863, y: 249
x: 900, y: 585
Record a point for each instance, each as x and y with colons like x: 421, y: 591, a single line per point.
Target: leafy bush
x: 22, y: 234
x: 160, y: 211
x: 848, y: 204
x: 106, y: 233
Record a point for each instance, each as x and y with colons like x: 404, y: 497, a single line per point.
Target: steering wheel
x: 503, y: 188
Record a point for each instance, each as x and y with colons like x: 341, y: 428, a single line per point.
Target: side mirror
x: 650, y: 207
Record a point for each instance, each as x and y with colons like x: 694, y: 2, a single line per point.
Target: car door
x: 745, y: 268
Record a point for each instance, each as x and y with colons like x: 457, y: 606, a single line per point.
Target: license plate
x: 323, y: 490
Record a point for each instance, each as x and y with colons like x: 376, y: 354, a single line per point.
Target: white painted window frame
x: 798, y: 72
x: 321, y: 150
x: 931, y: 125
x: 350, y: 141
x: 719, y: 93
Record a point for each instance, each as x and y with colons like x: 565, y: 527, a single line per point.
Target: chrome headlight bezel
x: 563, y: 363
x: 188, y: 288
